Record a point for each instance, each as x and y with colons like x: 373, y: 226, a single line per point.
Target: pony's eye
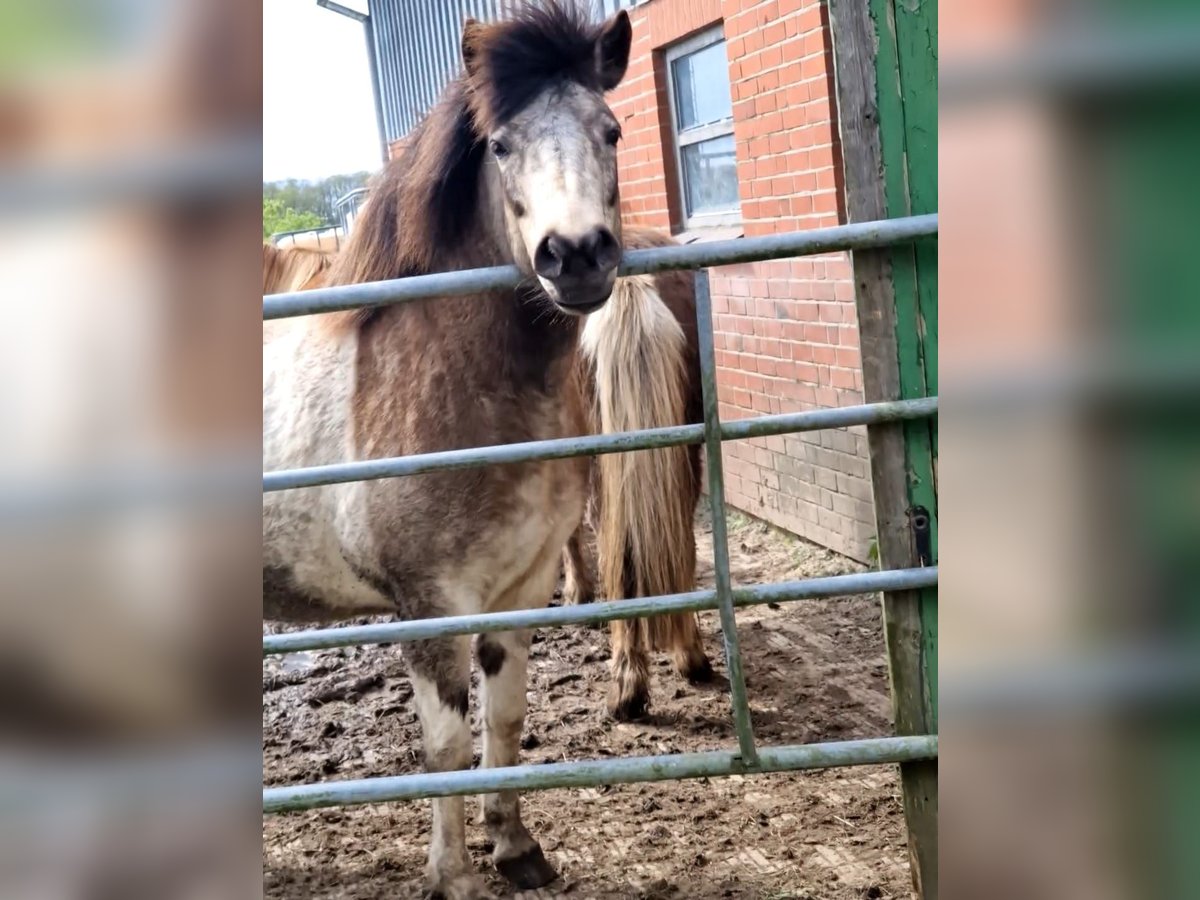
x: 498, y: 149
x: 613, y: 135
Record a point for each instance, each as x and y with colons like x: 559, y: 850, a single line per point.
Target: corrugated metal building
x: 416, y: 46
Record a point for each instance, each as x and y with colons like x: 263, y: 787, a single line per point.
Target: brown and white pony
x: 516, y: 164
x: 640, y: 369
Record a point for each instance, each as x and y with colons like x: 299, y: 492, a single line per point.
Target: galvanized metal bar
x: 217, y: 169
x: 1078, y: 63
x: 720, y: 535
x: 619, y: 442
x: 856, y: 236
x: 115, y: 491
x: 589, y: 773
x: 1114, y: 680
x: 47, y: 500
x: 343, y: 10
x: 376, y: 99
x: 63, y: 781
x: 693, y: 601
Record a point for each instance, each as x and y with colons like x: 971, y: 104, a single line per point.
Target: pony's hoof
x: 627, y: 708
x: 464, y: 887
x: 528, y: 871
x: 699, y: 673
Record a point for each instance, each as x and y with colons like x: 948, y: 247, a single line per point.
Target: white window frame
x: 681, y: 139
x: 610, y: 7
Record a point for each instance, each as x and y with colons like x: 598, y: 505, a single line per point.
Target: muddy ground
x: 816, y: 671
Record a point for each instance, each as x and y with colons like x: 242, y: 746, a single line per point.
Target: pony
x: 293, y: 268
x: 640, y: 369
x: 515, y: 164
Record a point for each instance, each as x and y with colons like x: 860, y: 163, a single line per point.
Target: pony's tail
x: 635, y: 350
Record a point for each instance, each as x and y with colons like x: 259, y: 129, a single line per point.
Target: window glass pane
x: 702, y: 87
x: 710, y: 175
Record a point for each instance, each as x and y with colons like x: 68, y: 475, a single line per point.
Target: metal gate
x: 747, y: 757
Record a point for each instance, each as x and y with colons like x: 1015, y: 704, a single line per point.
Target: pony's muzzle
x: 578, y: 273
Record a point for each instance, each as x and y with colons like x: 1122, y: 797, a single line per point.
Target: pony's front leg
x: 503, y: 659
x: 441, y: 675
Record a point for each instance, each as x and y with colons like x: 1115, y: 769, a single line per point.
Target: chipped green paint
x: 906, y: 82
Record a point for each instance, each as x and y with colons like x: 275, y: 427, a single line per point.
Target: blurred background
x: 130, y: 159
x: 1068, y: 138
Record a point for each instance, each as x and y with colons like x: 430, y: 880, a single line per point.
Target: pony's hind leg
x: 503, y: 660
x: 687, y: 648
x: 578, y: 584
x: 441, y: 676
x: 629, y: 689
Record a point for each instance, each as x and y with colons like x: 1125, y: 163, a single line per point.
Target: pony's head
x: 535, y: 87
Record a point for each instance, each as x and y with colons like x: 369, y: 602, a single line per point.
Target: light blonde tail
x: 636, y: 351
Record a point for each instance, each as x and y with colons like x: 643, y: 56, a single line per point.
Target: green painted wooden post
x: 886, y: 67
x: 908, y: 124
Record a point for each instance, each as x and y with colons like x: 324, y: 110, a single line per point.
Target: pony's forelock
x: 515, y: 60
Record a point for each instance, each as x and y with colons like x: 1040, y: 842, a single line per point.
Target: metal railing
x: 331, y: 234
x: 748, y: 757
x: 346, y: 207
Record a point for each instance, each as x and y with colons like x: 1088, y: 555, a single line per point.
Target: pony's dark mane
x: 423, y: 206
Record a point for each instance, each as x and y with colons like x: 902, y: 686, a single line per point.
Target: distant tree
x: 316, y: 197
x: 277, y: 218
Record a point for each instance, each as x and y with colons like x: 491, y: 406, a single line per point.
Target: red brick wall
x: 786, y: 334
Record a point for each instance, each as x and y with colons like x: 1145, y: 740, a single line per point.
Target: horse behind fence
x: 470, y: 190
x: 640, y: 369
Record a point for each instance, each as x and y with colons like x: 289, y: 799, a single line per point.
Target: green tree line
x: 295, y: 204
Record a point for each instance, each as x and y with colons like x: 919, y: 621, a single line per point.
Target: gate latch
x: 918, y: 522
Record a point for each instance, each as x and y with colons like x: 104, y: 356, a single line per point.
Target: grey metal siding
x: 417, y: 44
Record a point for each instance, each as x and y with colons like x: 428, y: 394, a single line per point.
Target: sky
x: 318, y: 115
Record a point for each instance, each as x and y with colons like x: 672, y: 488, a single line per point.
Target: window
x: 609, y: 7
x: 702, y: 117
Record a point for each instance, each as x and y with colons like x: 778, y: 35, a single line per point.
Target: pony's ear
x: 472, y: 32
x: 612, y: 50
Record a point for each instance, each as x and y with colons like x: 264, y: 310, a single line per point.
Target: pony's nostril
x: 601, y: 248
x: 557, y: 257
x: 549, y: 256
